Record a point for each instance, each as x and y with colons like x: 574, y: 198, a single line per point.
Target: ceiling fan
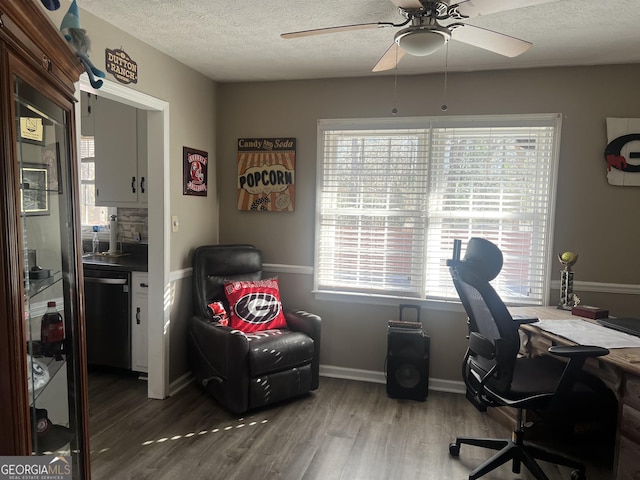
x: 424, y: 34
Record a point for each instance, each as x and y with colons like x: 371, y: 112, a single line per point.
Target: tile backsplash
x: 132, y: 221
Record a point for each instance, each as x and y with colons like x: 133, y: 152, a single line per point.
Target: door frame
x: 158, y: 218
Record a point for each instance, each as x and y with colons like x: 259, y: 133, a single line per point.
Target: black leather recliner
x: 244, y: 371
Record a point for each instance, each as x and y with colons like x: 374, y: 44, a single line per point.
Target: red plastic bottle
x: 52, y: 331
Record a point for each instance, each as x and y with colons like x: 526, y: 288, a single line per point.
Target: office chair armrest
x: 481, y: 345
x: 577, y: 355
x: 578, y: 351
x: 524, y: 320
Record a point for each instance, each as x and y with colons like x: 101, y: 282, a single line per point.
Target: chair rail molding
x: 602, y: 287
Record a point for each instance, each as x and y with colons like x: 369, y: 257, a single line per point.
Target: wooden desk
x: 620, y: 371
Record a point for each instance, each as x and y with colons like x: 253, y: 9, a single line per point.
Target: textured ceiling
x: 240, y: 40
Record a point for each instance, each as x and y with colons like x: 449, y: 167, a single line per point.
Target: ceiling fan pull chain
x: 394, y: 111
x: 446, y: 68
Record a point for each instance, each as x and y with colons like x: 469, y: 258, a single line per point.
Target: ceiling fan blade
x: 343, y: 28
x: 390, y: 59
x: 474, y: 8
x: 490, y: 40
x: 407, y: 3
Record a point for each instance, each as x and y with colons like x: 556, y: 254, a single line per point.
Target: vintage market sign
x: 266, y: 174
x: 121, y: 66
x: 195, y: 165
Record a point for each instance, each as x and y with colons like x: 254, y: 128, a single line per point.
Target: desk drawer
x: 628, y: 460
x: 631, y: 392
x: 611, y: 377
x: 629, y: 431
x: 539, y: 345
x: 630, y: 423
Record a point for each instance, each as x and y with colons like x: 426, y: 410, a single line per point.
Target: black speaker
x: 407, y: 361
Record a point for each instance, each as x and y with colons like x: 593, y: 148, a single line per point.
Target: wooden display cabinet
x: 43, y: 384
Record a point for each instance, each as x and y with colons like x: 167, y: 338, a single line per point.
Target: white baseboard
x: 352, y: 374
x: 180, y: 383
x: 435, y: 384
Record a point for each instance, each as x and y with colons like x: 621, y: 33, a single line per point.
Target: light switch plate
x: 174, y: 223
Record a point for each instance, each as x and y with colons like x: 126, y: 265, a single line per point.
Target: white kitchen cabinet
x: 143, y: 187
x: 87, y: 119
x: 139, y: 321
x: 120, y: 154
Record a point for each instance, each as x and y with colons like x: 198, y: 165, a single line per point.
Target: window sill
x: 442, y: 305
x: 394, y: 301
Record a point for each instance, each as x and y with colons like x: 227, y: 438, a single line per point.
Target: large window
x: 393, y: 194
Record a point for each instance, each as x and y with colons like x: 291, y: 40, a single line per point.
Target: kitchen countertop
x: 133, y: 258
x: 127, y: 262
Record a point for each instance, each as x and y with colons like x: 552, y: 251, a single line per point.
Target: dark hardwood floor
x: 346, y: 430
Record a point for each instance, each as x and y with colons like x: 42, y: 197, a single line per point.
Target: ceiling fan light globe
x: 421, y: 42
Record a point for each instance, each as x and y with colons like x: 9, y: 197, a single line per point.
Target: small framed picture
x: 194, y: 168
x: 32, y: 130
x: 34, y: 193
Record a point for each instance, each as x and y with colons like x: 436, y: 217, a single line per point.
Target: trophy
x: 567, y: 299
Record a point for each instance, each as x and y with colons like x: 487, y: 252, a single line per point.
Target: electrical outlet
x: 136, y: 236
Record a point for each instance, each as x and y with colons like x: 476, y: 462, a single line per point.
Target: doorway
x: 158, y: 221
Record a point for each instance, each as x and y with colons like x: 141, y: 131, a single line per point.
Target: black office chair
x: 496, y: 376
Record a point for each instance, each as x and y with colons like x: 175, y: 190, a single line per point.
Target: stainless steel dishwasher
x: 108, y: 317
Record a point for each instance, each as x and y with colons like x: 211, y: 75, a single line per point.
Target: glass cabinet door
x: 50, y: 278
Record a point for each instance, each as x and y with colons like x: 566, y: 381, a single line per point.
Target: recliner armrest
x: 223, y: 348
x: 304, y: 322
x: 309, y: 324
x: 219, y: 359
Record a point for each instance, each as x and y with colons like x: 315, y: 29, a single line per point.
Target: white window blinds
x: 391, y: 200
x: 372, y: 211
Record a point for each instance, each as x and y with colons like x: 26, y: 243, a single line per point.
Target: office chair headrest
x: 484, y: 257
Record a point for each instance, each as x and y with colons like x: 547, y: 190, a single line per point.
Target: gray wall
x: 592, y: 218
x: 192, y: 123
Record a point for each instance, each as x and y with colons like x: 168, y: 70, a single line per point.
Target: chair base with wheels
x: 518, y: 452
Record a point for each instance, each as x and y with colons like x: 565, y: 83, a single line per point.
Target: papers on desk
x: 587, y: 333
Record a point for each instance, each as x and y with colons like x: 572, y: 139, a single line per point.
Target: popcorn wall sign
x: 266, y: 174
